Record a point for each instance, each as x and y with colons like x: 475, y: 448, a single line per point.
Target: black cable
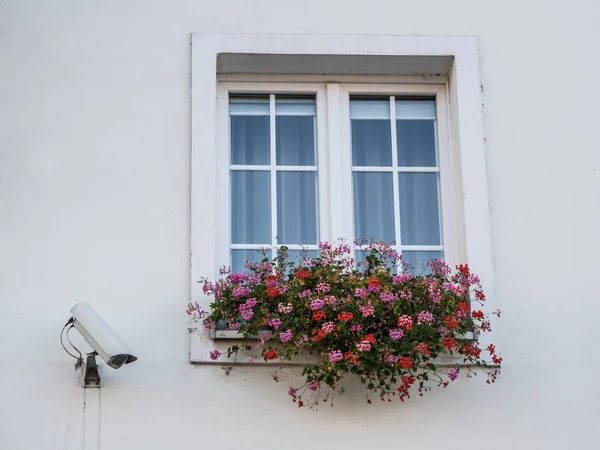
x: 69, y: 341
x: 62, y: 342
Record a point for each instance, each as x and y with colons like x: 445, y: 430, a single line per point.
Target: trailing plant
x: 387, y: 328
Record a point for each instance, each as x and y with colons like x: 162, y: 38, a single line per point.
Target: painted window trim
x: 465, y: 131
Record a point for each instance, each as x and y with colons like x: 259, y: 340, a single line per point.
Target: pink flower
x: 323, y: 287
x: 234, y: 325
x: 453, y: 374
x: 215, y: 354
x: 363, y: 346
x: 330, y: 300
x: 254, y: 278
x: 328, y: 327
x: 286, y: 336
x: 275, y: 323
x: 292, y: 391
x: 335, y: 356
x: 356, y: 328
x: 367, y: 310
x: 285, y: 309
x: 406, y: 295
x: 247, y: 314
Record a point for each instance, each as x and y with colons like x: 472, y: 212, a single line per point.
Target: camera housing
x: 100, y: 336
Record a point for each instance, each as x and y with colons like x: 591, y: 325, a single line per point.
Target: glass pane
x: 250, y: 138
x: 418, y: 261
x: 416, y: 143
x: 295, y: 132
x: 373, y: 206
x: 419, y: 209
x: 371, y: 133
x: 296, y: 207
x: 239, y: 258
x: 251, y: 207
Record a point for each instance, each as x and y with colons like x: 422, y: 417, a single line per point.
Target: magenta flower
x: 247, y: 314
x: 275, y: 323
x: 286, y: 336
x: 402, y: 278
x: 254, y: 278
x: 336, y: 356
x: 317, y: 304
x: 391, y: 359
x: 453, y: 374
x: 215, y: 354
x: 425, y: 317
x: 239, y: 277
x: 305, y: 294
x: 314, y: 385
x: 396, y: 334
x: 388, y: 297
x: 356, y: 328
x: 361, y: 293
x: 241, y: 291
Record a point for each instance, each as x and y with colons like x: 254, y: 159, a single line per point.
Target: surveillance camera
x: 100, y: 336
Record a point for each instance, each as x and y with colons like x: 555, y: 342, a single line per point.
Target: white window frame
x: 470, y: 208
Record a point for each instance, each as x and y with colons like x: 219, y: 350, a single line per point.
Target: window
x: 337, y: 72
x: 279, y: 174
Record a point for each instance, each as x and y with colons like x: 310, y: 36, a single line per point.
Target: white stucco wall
x: 94, y: 206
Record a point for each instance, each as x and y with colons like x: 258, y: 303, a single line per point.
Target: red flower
x: 374, y: 283
x: 319, y: 315
x: 275, y: 277
x: 477, y: 315
x: 370, y: 338
x: 422, y: 347
x: 480, y: 295
x: 270, y: 354
x: 273, y: 292
x: 451, y: 323
x: 449, y: 343
x: 464, y: 269
x: 405, y: 363
x: 302, y: 274
x: 462, y: 306
x: 345, y: 316
x: 352, y: 358
x: 319, y: 336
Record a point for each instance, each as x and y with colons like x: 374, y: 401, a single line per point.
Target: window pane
x: 296, y: 207
x: 250, y: 138
x: 419, y: 209
x: 371, y: 133
x: 416, y: 143
x: 418, y: 261
x: 295, y: 132
x: 250, y: 207
x: 239, y: 258
x: 373, y: 206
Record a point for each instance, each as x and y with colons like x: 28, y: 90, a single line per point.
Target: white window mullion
x: 340, y: 164
x: 323, y: 187
x: 395, y: 182
x: 273, y: 149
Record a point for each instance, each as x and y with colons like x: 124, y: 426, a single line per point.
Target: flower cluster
x: 385, y: 328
